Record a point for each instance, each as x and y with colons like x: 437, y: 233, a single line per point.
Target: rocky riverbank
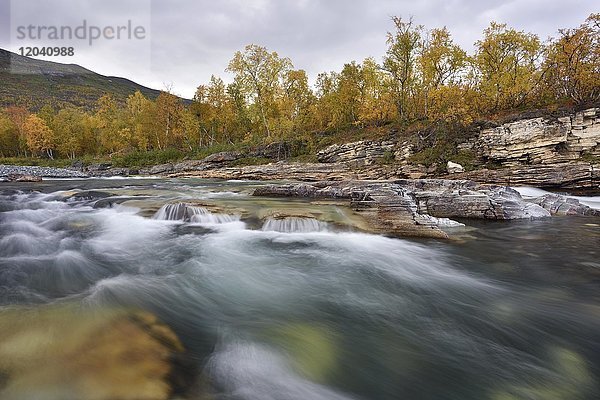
x: 15, y: 172
x: 400, y: 207
x: 427, y: 207
x: 550, y: 152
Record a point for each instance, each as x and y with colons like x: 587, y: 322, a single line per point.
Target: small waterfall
x: 294, y: 224
x: 187, y: 213
x: 172, y: 212
x: 203, y: 216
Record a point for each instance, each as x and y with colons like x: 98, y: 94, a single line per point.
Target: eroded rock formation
x: 406, y: 207
x: 542, y: 140
x: 364, y: 152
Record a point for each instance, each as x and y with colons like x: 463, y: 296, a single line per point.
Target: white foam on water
x: 253, y: 372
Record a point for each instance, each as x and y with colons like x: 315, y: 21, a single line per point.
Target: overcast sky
x: 187, y: 41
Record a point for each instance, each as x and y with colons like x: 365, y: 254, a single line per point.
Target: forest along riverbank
x: 553, y: 150
x: 227, y: 289
x: 556, y: 151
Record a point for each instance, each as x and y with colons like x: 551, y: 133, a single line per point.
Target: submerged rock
x: 89, y: 195
x: 68, y: 353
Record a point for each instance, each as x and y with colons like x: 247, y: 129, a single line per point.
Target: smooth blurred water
x: 286, y: 309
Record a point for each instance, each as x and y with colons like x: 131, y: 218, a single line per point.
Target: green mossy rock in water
x: 311, y: 347
x: 66, y: 353
x: 571, y: 380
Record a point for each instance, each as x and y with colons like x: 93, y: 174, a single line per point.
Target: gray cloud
x: 191, y: 40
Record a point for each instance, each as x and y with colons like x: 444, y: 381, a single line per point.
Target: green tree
x: 47, y: 113
x: 18, y: 116
x: 139, y: 120
x: 115, y: 134
x: 376, y: 100
x: 297, y: 101
x: 259, y: 74
x: 508, y: 64
x: 442, y: 64
x: 400, y: 61
x: 9, y: 137
x: 214, y: 109
x: 73, y: 135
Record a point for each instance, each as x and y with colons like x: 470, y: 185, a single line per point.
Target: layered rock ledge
x: 418, y: 208
x: 577, y: 176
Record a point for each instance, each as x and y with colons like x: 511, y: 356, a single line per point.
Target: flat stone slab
x: 416, y: 207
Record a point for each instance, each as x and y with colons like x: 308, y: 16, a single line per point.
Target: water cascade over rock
x: 294, y: 225
x: 189, y: 213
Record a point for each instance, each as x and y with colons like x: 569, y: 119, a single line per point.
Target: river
x: 293, y: 308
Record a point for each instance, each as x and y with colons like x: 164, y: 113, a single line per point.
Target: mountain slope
x: 33, y: 83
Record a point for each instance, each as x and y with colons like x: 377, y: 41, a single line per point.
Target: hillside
x: 45, y: 82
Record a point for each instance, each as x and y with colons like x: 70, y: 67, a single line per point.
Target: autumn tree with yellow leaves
x: 40, y: 138
x: 573, y: 63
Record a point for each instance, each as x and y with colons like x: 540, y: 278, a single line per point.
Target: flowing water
x: 296, y: 304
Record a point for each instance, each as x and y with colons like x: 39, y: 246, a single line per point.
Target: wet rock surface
x: 105, y: 355
x: 562, y: 205
x: 405, y: 207
x: 566, y: 176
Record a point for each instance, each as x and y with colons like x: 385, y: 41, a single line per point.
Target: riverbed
x: 302, y: 307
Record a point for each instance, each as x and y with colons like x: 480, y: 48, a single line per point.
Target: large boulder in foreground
x: 67, y: 353
x: 420, y: 208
